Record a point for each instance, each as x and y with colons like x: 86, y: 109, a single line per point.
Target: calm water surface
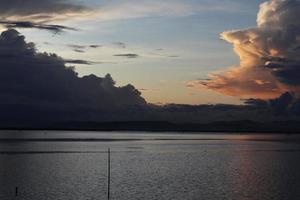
x: 164, y: 166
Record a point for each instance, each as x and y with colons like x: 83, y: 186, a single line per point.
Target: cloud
x: 39, y: 88
x: 120, y: 45
x: 128, y: 55
x: 43, y: 12
x: 285, y: 107
x: 155, y: 8
x: 82, y: 48
x: 43, y: 83
x: 40, y: 11
x: 269, y: 61
x: 79, y: 62
x: 75, y: 46
x: 162, y: 53
x: 286, y: 104
x: 143, y: 9
x: 36, y: 14
x: 95, y: 46
x: 84, y: 62
x: 78, y: 50
x: 26, y: 24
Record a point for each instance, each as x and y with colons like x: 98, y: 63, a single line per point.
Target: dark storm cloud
x: 38, y: 88
x: 39, y: 10
x: 40, y: 14
x: 282, y: 104
x: 284, y: 108
x: 32, y: 25
x: 41, y: 81
x: 288, y: 71
x: 287, y: 104
x: 128, y: 55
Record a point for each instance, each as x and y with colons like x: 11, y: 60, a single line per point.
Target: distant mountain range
x: 222, y: 126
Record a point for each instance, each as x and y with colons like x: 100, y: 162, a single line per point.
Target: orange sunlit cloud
x: 268, y: 58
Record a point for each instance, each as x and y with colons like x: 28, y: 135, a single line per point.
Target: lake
x: 57, y: 165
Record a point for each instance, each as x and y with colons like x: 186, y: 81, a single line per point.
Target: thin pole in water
x: 16, y: 192
x: 108, y: 175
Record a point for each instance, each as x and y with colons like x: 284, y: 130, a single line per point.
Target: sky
x: 178, y: 61
x: 176, y: 42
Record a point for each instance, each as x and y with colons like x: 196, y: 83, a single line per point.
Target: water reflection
x: 151, y: 169
x: 264, y: 174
